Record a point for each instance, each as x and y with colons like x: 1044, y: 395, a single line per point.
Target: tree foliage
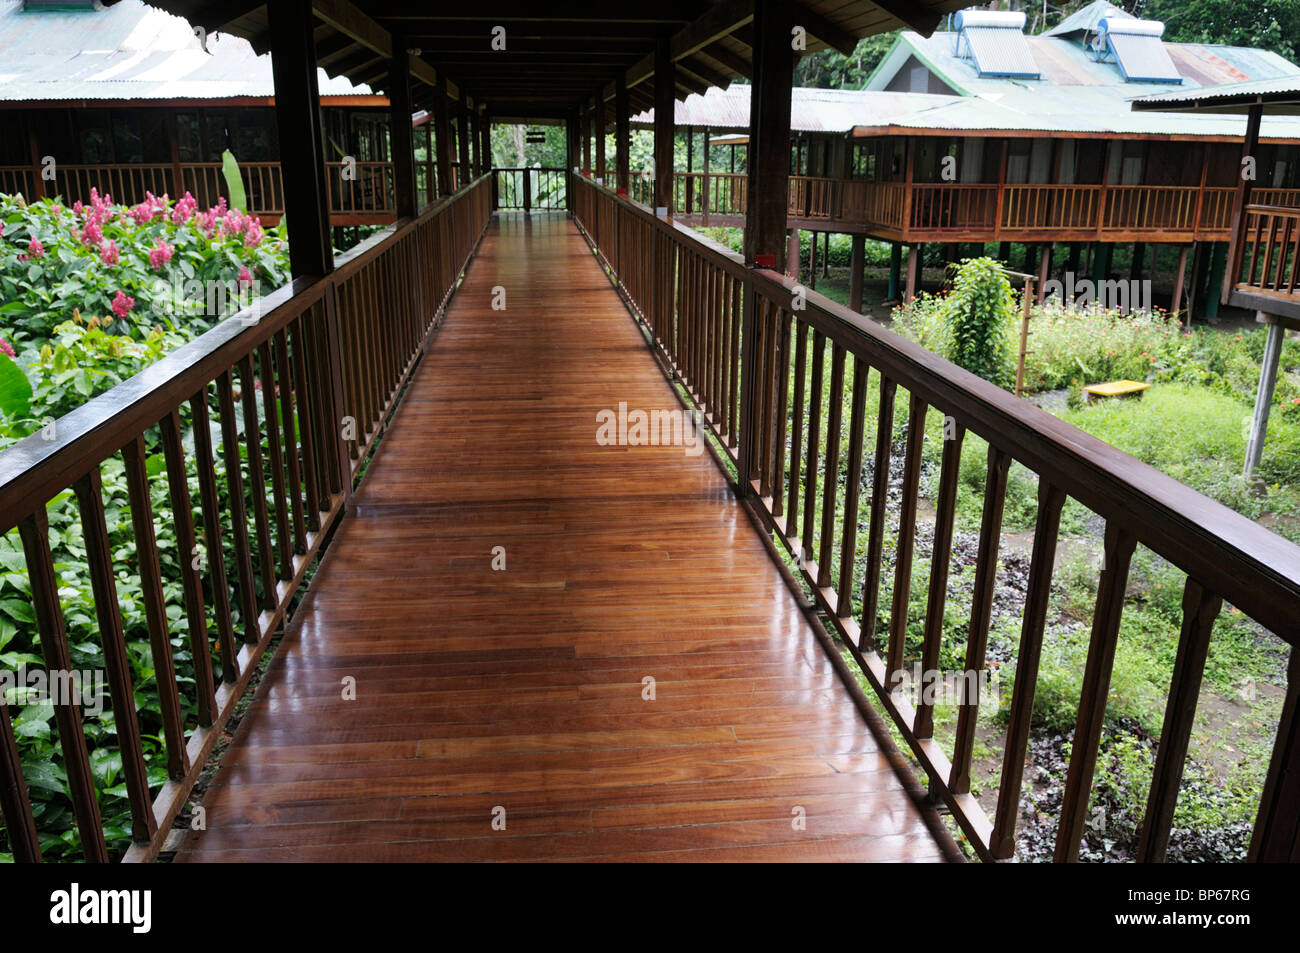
x: 979, y: 313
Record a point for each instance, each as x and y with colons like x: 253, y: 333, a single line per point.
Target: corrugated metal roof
x: 1279, y: 89
x: 129, y: 51
x: 811, y: 110
x: 1016, y: 107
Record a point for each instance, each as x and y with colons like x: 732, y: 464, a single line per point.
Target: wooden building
x: 677, y: 652
x: 1027, y: 139
x: 128, y: 99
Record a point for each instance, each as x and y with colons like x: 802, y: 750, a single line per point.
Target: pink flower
x: 160, y: 255
x: 253, y: 237
x: 6, y: 348
x: 245, y: 277
x: 92, y: 235
x: 122, y: 304
x: 184, y: 209
x: 108, y: 253
x: 35, y: 249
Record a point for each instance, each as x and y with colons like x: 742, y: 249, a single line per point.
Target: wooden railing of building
x: 298, y: 387
x: 529, y: 189
x: 755, y: 363
x: 1270, y: 250
x: 955, y: 211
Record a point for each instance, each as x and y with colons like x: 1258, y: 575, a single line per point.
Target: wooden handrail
x: 732, y: 336
x: 329, y: 355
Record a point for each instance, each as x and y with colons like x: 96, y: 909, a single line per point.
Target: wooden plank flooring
x: 522, y: 689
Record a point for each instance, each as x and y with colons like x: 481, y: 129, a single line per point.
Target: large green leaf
x: 15, y: 389
x: 234, y: 181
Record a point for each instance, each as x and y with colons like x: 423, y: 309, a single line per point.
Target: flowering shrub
x: 127, y: 265
x: 94, y: 293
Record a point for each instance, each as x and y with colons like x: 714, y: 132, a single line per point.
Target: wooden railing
x: 531, y: 188
x: 955, y: 210
x: 1270, y: 250
x: 360, y: 193
x: 295, y: 390
x: 751, y: 349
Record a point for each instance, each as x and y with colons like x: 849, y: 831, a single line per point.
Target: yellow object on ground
x: 1115, y: 389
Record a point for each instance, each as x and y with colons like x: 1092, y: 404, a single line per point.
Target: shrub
x: 979, y: 313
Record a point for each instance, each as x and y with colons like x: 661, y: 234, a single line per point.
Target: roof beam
x: 719, y: 21
x: 922, y: 21
x: 350, y: 21
x: 216, y: 15
x: 825, y: 30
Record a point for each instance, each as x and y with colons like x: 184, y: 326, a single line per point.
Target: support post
x: 812, y: 259
x: 856, y: 264
x: 1232, y: 261
x: 792, y: 254
x: 913, y: 272
x: 600, y: 137
x: 475, y: 144
x: 442, y: 130
x: 895, y: 268
x: 622, y: 132
x: 1218, y: 266
x: 399, y: 118
x: 485, y: 133
x: 462, y: 142
x: 1044, y: 269
x: 665, y: 100
x: 1179, y: 279
x: 297, y: 116
x: 584, y: 127
x: 768, y: 162
x: 1264, y: 396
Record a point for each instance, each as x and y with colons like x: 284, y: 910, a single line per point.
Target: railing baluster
x: 284, y: 377
x: 853, y: 487
x: 1200, y: 609
x: 15, y: 800
x: 831, y: 470
x: 1038, y: 590
x: 876, y: 524
x: 247, y: 588
x: 814, y: 443
x: 796, y: 435
x: 906, y: 542
x: 270, y: 410
x: 780, y: 373
x: 981, y: 613
x: 35, y: 533
x: 257, y: 484
x: 103, y: 582
x: 1119, y: 546
x: 945, y: 505
x: 205, y: 465
x: 146, y: 547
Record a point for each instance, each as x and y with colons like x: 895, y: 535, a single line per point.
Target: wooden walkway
x: 480, y: 691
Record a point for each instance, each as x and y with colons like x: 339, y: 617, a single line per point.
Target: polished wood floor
x: 517, y: 695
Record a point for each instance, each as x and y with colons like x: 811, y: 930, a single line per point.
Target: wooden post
x: 174, y: 146
x: 1236, y: 232
x: 485, y: 133
x: 462, y: 142
x: 297, y: 116
x: 999, y: 201
x: 826, y: 254
x: 584, y: 129
x: 622, y: 132
x: 665, y: 100
x: 34, y: 146
x: 399, y: 118
x: 895, y: 268
x: 475, y: 144
x: 704, y: 199
x: 442, y: 124
x: 1025, y: 297
x: 1138, y: 264
x: 856, y: 264
x: 792, y: 254
x: 913, y: 272
x: 689, y: 190
x: 1178, y: 283
x: 600, y: 137
x: 1264, y: 396
x: 1044, y: 269
x: 1218, y: 268
x: 812, y: 259
x: 768, y: 161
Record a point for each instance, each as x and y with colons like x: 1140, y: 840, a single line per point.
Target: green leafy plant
x: 979, y: 313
